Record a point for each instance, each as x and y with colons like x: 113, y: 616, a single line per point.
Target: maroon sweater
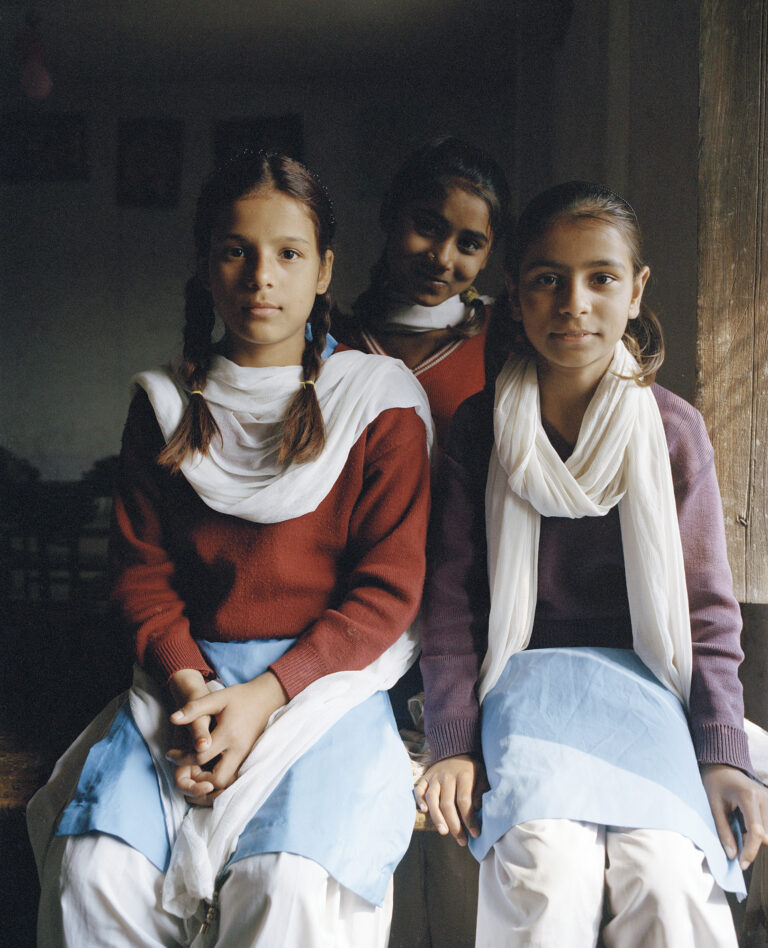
x: 582, y: 594
x: 346, y: 578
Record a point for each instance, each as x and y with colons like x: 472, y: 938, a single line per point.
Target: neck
x: 565, y: 397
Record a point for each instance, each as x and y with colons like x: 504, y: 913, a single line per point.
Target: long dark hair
x: 578, y: 200
x: 428, y: 173
x: 246, y: 173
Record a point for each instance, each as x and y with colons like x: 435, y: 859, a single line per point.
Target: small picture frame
x: 149, y: 160
x: 278, y: 133
x: 42, y: 147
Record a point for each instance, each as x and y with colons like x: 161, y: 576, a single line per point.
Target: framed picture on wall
x: 42, y: 147
x: 149, y: 158
x: 281, y: 133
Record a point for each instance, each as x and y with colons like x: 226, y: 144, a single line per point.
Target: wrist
x: 271, y: 691
x: 187, y: 683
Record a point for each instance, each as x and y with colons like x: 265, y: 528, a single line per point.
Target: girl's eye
x: 469, y: 246
x: 604, y: 279
x: 425, y: 226
x: 547, y: 279
x: 234, y: 252
x: 289, y: 254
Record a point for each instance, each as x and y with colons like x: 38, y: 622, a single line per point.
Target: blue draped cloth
x: 347, y: 803
x: 590, y: 734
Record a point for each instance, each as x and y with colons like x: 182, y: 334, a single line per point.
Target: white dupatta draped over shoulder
x: 621, y: 457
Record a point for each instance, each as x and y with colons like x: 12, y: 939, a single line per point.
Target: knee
x: 661, y: 873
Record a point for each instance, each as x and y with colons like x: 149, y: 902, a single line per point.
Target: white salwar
x: 239, y: 476
x: 98, y: 892
x: 544, y: 883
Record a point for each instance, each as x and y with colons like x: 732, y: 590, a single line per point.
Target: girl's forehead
x: 266, y: 208
x: 574, y: 236
x: 456, y: 201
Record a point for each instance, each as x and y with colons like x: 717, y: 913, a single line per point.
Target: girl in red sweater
x: 580, y: 634
x: 445, y: 208
x: 268, y: 556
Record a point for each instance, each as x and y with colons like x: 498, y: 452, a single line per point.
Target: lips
x: 260, y: 308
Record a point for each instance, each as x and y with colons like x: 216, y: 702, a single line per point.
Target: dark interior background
x: 90, y: 289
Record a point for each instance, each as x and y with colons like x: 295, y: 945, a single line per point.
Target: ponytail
x: 645, y: 341
x: 197, y: 427
x: 303, y: 426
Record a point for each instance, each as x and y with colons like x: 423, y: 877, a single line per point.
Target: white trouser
x: 97, y: 892
x: 544, y: 882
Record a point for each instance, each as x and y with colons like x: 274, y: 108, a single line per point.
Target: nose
x: 441, y: 255
x: 574, y: 300
x: 258, y: 271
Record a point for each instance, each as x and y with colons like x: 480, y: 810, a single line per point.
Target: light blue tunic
x: 347, y: 803
x: 590, y: 734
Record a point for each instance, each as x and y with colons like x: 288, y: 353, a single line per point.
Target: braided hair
x: 246, y: 173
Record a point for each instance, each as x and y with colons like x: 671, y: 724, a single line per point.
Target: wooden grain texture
x: 732, y: 339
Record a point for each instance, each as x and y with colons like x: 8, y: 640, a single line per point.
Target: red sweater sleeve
x: 386, y: 552
x: 141, y: 566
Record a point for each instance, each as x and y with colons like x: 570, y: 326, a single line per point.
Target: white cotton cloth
x: 545, y: 881
x: 240, y: 474
x: 621, y: 457
x: 412, y: 318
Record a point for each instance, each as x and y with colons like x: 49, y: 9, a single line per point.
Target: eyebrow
x: 280, y: 240
x: 556, y: 265
x: 477, y: 235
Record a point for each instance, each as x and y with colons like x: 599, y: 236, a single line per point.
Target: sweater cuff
x: 722, y: 744
x: 298, y: 667
x: 165, y: 658
x: 460, y: 736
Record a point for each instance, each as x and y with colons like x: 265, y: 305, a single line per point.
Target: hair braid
x: 303, y: 426
x: 197, y: 426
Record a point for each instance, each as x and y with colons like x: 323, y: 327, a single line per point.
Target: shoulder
x: 690, y: 449
x: 395, y: 428
x: 362, y: 385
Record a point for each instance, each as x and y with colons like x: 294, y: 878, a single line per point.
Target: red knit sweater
x: 345, y: 579
x: 448, y: 376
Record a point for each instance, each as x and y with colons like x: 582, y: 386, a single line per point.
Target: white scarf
x: 240, y: 475
x: 621, y: 457
x: 412, y: 318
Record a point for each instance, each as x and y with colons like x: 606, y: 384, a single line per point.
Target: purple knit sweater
x: 582, y: 593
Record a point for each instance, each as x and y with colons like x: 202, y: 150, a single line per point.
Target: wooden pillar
x: 732, y: 349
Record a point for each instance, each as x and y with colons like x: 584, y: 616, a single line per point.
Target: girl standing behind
x: 580, y: 594
x: 446, y: 206
x: 268, y: 552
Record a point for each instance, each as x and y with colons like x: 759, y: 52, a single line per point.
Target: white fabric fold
x: 621, y: 457
x: 410, y: 317
x: 205, y: 837
x: 240, y: 475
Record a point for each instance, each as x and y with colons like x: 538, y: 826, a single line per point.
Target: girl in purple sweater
x: 580, y: 635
